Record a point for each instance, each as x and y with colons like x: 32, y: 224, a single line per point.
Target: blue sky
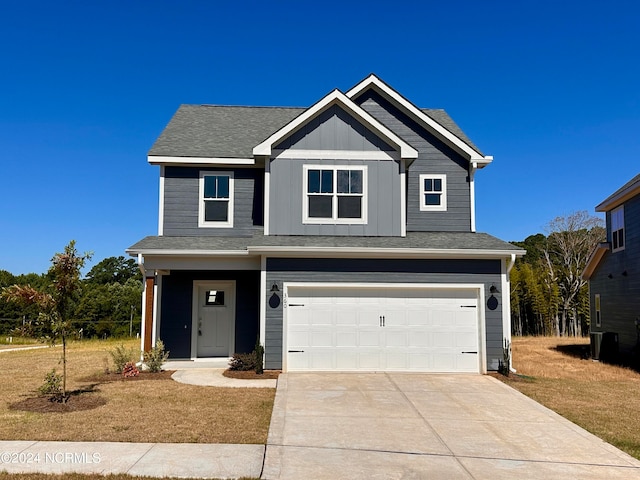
x: 550, y: 89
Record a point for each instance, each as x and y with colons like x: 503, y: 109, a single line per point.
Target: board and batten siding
x: 181, y: 201
x: 280, y: 270
x: 286, y: 199
x: 434, y: 157
x: 620, y: 294
x: 334, y: 129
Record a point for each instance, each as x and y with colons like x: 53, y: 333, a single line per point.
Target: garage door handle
x: 296, y: 351
x: 471, y: 352
x: 467, y: 306
x: 296, y: 304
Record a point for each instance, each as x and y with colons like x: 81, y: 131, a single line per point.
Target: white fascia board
x: 346, y: 252
x: 440, y: 131
x: 336, y: 97
x: 187, y: 253
x: 296, y: 154
x: 161, y: 160
x: 618, y: 199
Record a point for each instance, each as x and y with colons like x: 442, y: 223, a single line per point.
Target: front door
x: 214, y: 321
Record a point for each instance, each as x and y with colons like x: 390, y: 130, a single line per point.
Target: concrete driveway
x: 368, y: 426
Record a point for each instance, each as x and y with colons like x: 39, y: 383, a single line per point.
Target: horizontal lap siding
x: 181, y: 202
x: 434, y: 157
x: 487, y: 272
x: 620, y: 295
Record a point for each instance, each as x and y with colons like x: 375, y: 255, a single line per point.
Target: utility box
x: 609, y: 347
x: 596, y: 341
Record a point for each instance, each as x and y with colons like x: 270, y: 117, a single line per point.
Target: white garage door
x: 382, y: 329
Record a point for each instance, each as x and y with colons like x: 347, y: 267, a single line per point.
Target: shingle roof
x: 231, y: 132
x: 443, y: 118
x: 220, y: 131
x: 414, y: 240
x: 618, y: 197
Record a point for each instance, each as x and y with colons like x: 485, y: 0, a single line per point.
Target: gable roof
x: 624, y: 193
x: 336, y: 97
x: 209, y: 134
x: 454, y: 140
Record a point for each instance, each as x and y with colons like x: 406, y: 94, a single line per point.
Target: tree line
x: 548, y: 294
x: 107, y: 303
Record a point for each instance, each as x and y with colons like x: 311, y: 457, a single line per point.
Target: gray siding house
x: 341, y: 236
x: 613, y: 273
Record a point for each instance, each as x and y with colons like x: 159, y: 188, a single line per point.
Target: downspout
x: 510, y: 263
x: 473, y: 166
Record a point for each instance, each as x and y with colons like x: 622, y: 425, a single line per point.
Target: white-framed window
x: 598, y: 317
x: 433, y: 193
x: 617, y: 229
x: 334, y: 194
x: 216, y: 199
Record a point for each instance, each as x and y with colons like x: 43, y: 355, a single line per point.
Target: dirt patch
x: 251, y: 375
x: 116, y: 377
x: 76, y: 402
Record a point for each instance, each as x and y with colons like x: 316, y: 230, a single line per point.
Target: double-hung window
x: 335, y: 194
x: 433, y: 193
x: 216, y: 199
x: 617, y: 229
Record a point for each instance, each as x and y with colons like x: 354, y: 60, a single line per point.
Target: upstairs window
x: 617, y: 229
x: 433, y: 193
x: 216, y: 199
x: 334, y: 194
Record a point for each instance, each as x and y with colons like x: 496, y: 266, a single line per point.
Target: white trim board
x: 161, y: 160
x: 441, y: 132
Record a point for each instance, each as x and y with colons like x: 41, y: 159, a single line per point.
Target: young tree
x: 55, y: 302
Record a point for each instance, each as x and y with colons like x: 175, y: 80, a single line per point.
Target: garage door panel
x: 367, y: 329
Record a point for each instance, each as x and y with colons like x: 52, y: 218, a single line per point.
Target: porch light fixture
x: 274, y: 287
x: 624, y: 274
x: 493, y: 289
x: 610, y: 276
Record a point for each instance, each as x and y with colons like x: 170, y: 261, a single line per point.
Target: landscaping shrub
x: 121, y: 356
x: 259, y: 353
x: 155, y: 357
x: 52, y: 386
x: 243, y: 362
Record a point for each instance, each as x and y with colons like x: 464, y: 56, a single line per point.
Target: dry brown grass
x: 603, y: 399
x: 79, y: 476
x: 137, y: 411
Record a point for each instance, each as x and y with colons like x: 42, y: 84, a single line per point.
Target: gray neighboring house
x: 341, y: 236
x: 613, y: 272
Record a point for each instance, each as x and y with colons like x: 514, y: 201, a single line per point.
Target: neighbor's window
x: 433, y: 193
x: 216, y: 199
x: 597, y: 302
x: 335, y: 194
x: 617, y: 228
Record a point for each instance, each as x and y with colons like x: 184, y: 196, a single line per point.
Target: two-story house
x: 341, y: 236
x: 613, y: 272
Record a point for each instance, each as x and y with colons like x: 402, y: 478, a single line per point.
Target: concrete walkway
x: 413, y: 426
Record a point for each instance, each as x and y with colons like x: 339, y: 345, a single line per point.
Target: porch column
x: 148, y: 312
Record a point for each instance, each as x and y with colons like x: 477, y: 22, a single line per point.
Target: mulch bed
x: 75, y: 403
x: 251, y: 375
x: 116, y: 377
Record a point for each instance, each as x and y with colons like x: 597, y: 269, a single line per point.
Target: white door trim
x: 477, y: 287
x: 230, y: 286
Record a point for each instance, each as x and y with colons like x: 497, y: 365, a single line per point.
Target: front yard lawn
x: 133, y: 411
x: 603, y: 399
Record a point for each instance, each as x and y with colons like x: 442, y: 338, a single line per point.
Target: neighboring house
x: 613, y: 273
x: 341, y: 236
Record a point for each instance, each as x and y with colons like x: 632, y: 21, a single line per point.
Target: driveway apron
x: 395, y: 425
